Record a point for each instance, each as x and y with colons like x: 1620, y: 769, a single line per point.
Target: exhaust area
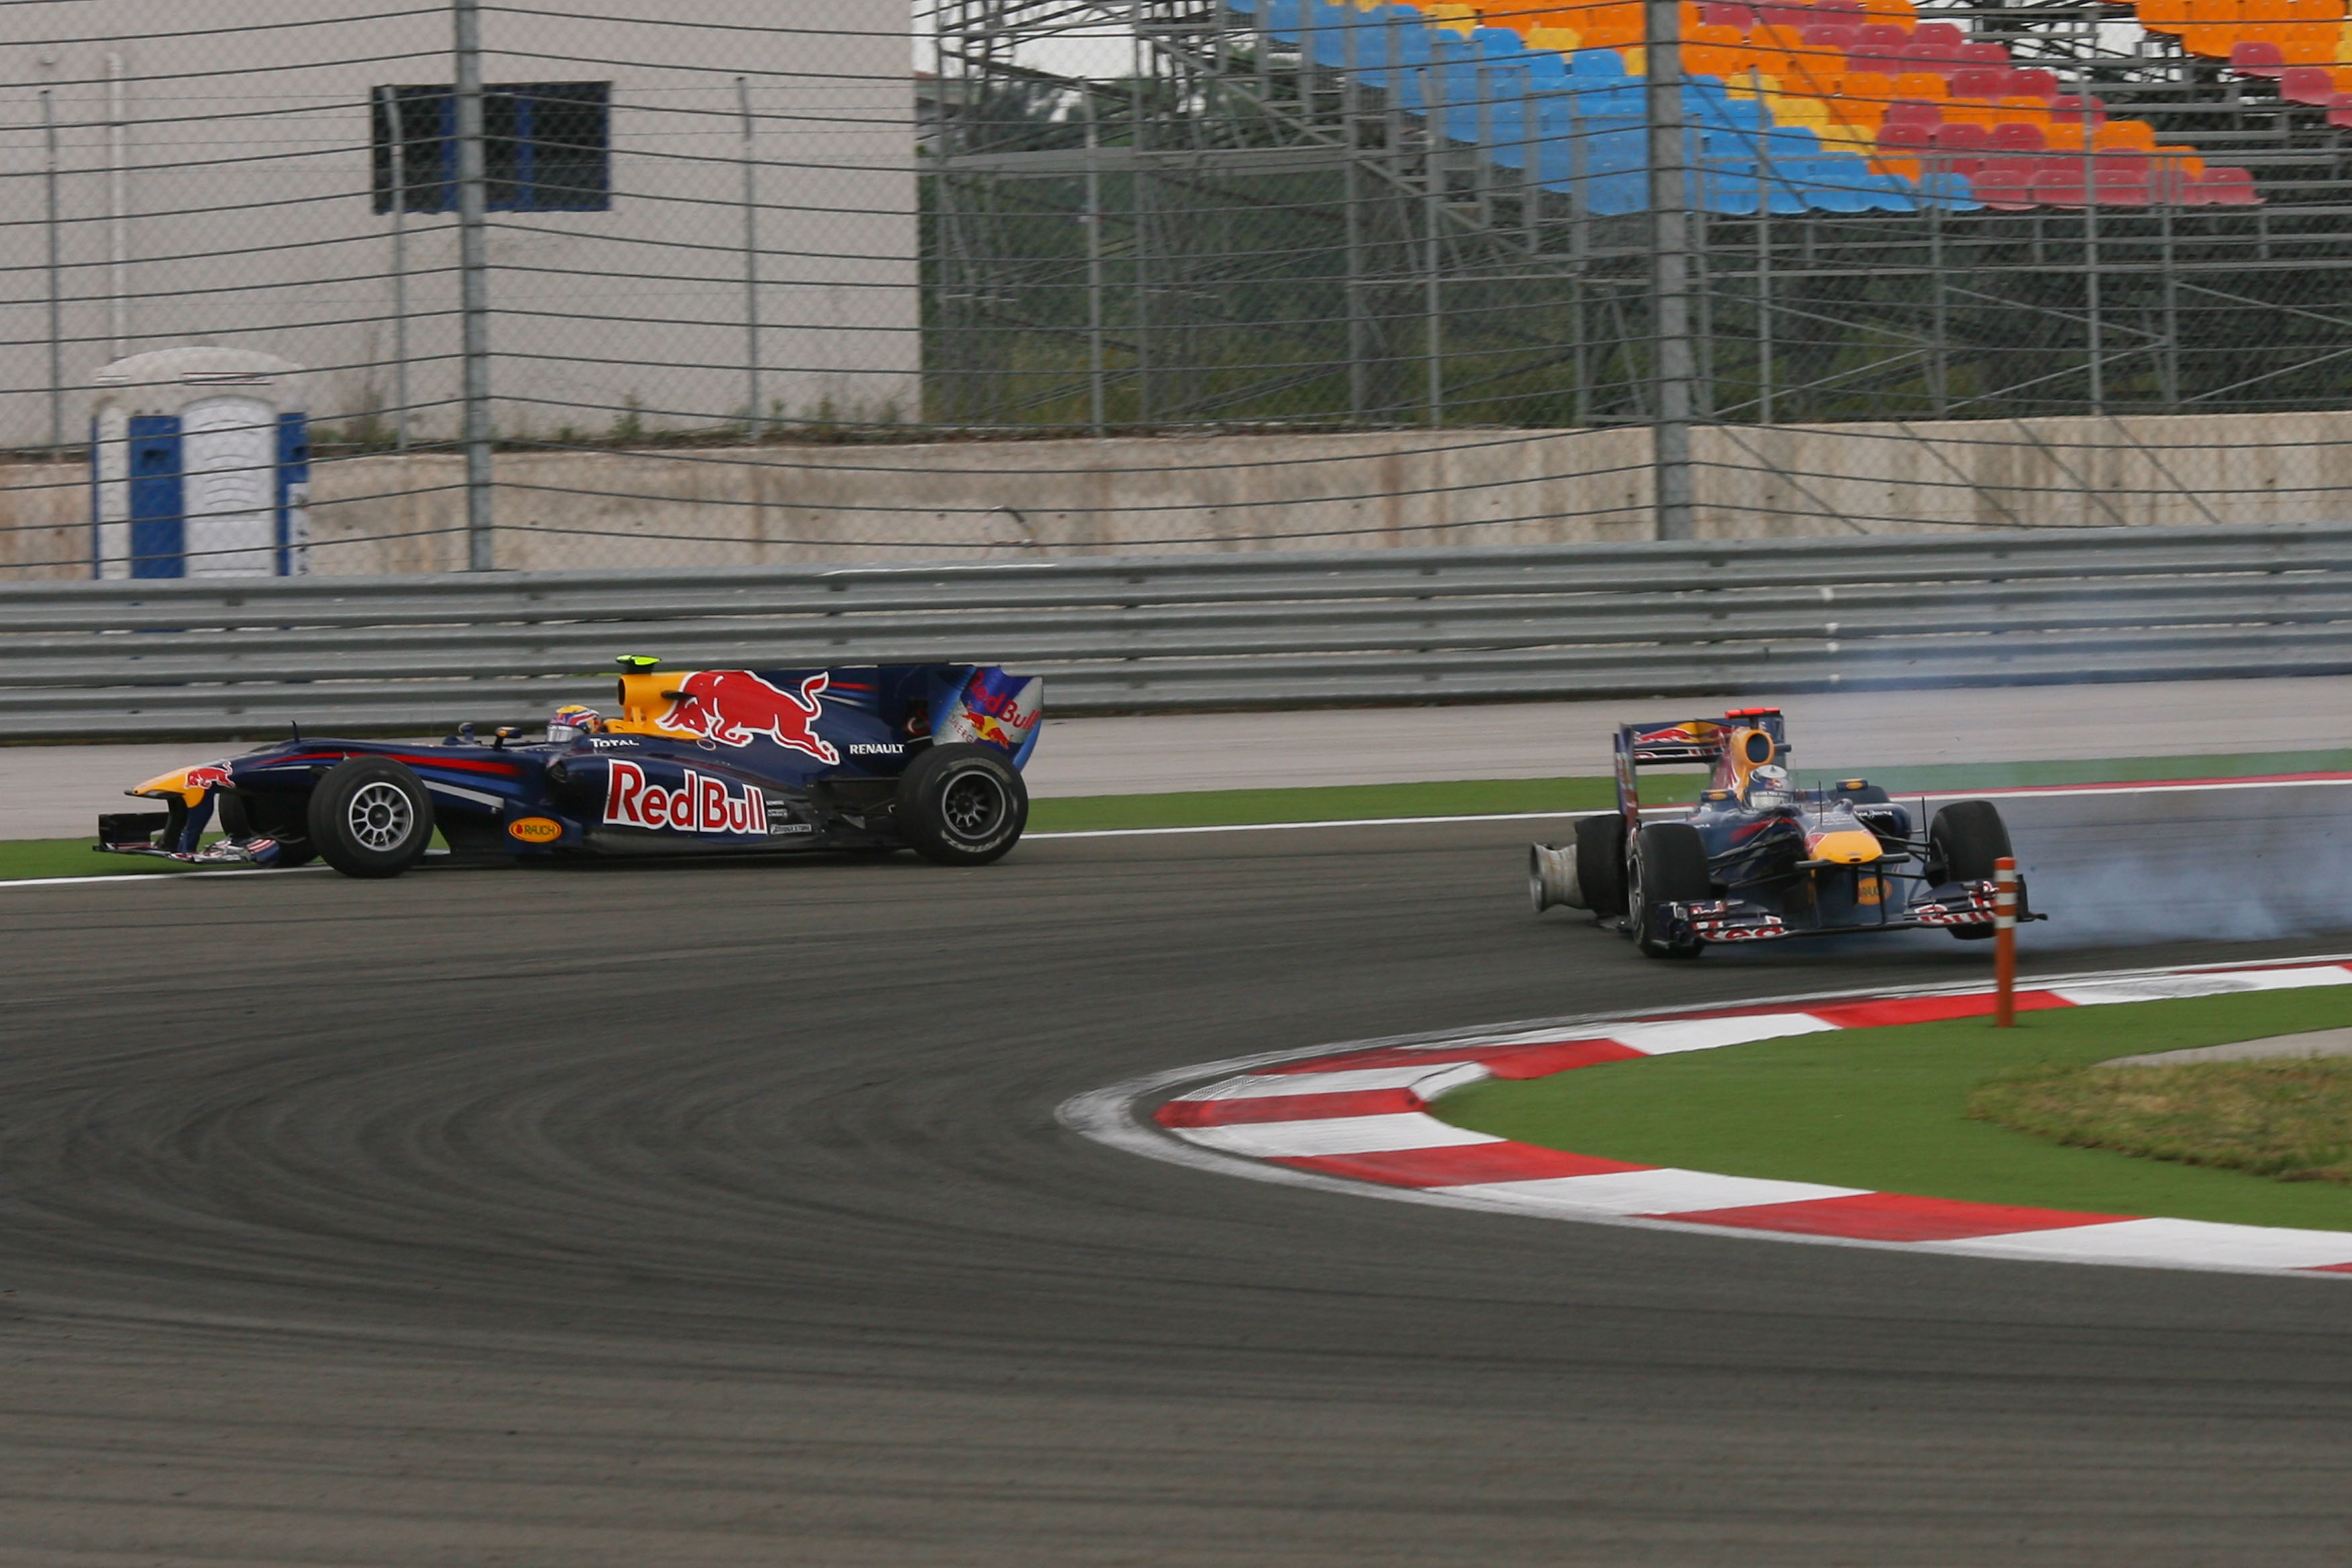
x: 1551, y: 878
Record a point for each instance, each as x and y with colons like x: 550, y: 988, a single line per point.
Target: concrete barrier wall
x: 718, y: 506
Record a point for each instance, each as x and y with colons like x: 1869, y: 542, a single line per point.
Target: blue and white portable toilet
x: 200, y: 466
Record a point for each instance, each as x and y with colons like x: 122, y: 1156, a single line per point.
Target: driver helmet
x: 572, y: 721
x: 1769, y: 788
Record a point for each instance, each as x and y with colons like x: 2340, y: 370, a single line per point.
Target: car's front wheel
x: 1964, y: 841
x: 962, y: 805
x: 370, y: 816
x: 1668, y: 867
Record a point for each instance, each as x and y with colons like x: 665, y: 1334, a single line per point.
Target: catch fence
x: 632, y: 286
x: 95, y: 660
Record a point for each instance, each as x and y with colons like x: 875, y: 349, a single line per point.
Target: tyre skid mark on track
x: 1353, y: 1119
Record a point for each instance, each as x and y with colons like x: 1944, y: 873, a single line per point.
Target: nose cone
x: 1852, y: 846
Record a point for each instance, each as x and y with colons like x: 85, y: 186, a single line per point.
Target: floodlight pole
x: 1670, y: 359
x: 473, y: 271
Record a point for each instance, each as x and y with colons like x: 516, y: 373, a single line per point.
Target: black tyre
x: 370, y: 816
x: 962, y: 805
x: 1963, y: 841
x: 1668, y: 867
x: 1601, y: 863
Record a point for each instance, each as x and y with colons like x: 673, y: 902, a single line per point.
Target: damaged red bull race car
x: 1758, y: 859
x: 710, y: 762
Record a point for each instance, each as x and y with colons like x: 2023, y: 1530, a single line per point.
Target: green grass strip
x: 1343, y: 803
x: 1887, y: 1111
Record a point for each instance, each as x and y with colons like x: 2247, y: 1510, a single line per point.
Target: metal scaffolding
x: 1234, y: 231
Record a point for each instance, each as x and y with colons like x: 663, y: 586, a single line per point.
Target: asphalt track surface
x: 672, y: 1215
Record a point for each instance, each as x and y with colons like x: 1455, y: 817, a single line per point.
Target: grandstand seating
x: 1841, y: 105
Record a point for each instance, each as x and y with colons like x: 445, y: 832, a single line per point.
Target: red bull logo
x: 998, y: 709
x: 698, y: 805
x: 733, y: 706
x: 213, y: 775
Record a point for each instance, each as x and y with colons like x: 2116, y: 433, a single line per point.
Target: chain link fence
x: 1034, y: 278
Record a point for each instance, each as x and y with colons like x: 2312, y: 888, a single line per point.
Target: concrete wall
x: 248, y: 219
x: 1394, y: 488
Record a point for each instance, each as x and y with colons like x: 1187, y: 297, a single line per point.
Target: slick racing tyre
x: 962, y: 805
x: 370, y: 816
x: 1669, y: 866
x: 1601, y: 863
x: 1963, y: 842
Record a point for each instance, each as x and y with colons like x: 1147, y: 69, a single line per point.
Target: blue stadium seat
x: 1577, y: 122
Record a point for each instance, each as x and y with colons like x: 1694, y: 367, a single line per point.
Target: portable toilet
x: 200, y: 465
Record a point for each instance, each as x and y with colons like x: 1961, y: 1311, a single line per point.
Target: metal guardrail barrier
x: 246, y: 657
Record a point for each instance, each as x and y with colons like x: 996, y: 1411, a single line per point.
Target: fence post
x: 473, y: 268
x: 56, y: 307
x: 396, y: 142
x: 752, y: 422
x: 1671, y: 367
x: 1094, y: 410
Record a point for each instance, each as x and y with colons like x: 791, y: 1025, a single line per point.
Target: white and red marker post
x: 2004, y: 943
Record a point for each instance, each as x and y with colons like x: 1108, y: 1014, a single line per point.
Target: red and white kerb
x: 1363, y: 1115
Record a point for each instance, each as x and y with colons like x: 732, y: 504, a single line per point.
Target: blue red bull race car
x: 1758, y: 858
x: 921, y: 757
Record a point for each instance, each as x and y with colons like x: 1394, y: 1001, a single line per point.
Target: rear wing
x: 1733, y: 746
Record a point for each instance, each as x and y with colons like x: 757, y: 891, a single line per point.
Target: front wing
x: 1955, y: 904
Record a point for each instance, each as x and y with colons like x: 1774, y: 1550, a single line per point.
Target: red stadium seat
x: 1941, y: 33
x: 2121, y: 183
x: 1914, y: 113
x: 1977, y: 81
x: 2042, y: 84
x: 2257, y: 57
x: 2004, y: 185
x: 1959, y: 149
x: 2229, y: 189
x: 2307, y: 84
x: 2018, y: 136
x: 1993, y: 55
x: 2067, y: 109
x: 1772, y: 15
x: 1904, y: 137
x: 1883, y: 36
x: 1720, y: 16
x: 1829, y: 38
x: 2059, y: 185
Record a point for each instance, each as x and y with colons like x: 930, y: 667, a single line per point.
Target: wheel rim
x: 973, y: 805
x: 381, y: 816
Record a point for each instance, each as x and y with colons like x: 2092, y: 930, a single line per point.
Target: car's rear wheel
x: 962, y: 805
x: 1668, y: 867
x: 1963, y: 842
x: 370, y: 817
x: 1601, y: 863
